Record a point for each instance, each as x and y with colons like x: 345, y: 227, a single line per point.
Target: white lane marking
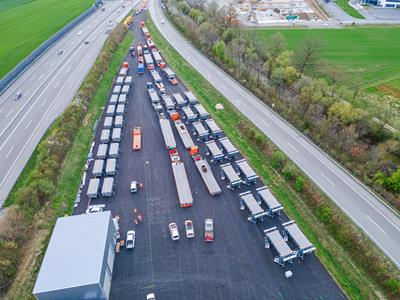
x: 9, y: 113
x: 327, y: 179
x: 293, y: 147
x: 33, y: 76
x: 27, y: 92
x: 43, y: 102
x: 9, y: 151
x: 265, y: 123
x: 1, y: 110
x: 375, y: 224
x: 57, y: 84
x: 41, y: 76
x: 68, y: 69
x: 47, y: 63
x: 27, y: 125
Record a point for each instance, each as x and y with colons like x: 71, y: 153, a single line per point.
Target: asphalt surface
x: 48, y: 86
x: 235, y: 266
x: 366, y: 210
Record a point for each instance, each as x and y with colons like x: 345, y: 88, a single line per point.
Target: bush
x: 278, y: 159
x: 299, y: 184
x: 289, y: 172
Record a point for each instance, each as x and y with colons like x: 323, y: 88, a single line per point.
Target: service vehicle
x: 137, y: 138
x: 134, y: 186
x: 173, y: 231
x: 130, y: 239
x: 209, y: 230
x: 189, y: 229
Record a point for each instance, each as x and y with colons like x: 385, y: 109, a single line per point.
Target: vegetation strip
x: 347, y: 8
x: 48, y: 185
x: 255, y: 146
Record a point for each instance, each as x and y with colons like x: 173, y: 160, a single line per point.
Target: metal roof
x: 228, y: 146
x: 93, y: 188
x: 201, y: 110
x: 200, y: 129
x: 252, y: 204
x: 189, y: 112
x: 298, y: 236
x: 212, y: 126
x: 268, y: 198
x: 246, y: 169
x: 279, y: 243
x: 230, y: 173
x: 208, y: 177
x: 75, y: 254
x: 168, y: 134
x: 214, y: 149
x: 184, y: 134
x: 108, y: 185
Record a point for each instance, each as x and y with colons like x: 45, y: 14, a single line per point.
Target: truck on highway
x: 209, y: 230
x: 137, y: 138
x: 167, y: 72
x: 139, y: 50
x: 158, y: 81
x: 149, y: 61
x: 158, y: 59
x: 181, y: 181
x: 146, y: 32
x: 151, y: 44
x: 140, y: 68
x: 168, y: 135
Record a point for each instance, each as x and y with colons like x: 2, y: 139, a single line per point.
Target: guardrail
x: 19, y: 69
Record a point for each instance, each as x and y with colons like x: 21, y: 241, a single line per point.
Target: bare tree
x: 227, y: 17
x: 308, y: 54
x: 276, y: 45
x: 199, y: 4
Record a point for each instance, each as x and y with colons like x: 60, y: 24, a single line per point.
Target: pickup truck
x: 209, y: 230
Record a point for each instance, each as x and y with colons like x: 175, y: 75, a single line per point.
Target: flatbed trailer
x: 181, y: 181
x: 149, y: 61
x: 207, y: 175
x: 184, y: 134
x: 168, y: 135
x: 137, y: 138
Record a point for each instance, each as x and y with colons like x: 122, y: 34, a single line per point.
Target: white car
x: 94, y: 209
x: 189, y: 229
x: 134, y: 186
x: 130, y: 239
x: 173, y: 230
x: 151, y: 296
x: 79, y: 32
x: 18, y: 95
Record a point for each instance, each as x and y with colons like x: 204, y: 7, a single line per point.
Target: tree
x: 345, y: 112
x: 207, y: 33
x: 393, y: 182
x: 308, y: 54
x: 227, y: 17
x: 276, y: 44
x: 219, y: 50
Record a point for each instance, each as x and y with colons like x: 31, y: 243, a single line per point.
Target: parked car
x: 209, y: 230
x: 18, y: 95
x: 130, y: 239
x: 94, y: 209
x: 134, y: 186
x: 189, y: 229
x: 173, y: 230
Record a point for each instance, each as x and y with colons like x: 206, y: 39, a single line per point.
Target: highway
x: 47, y: 87
x: 366, y: 210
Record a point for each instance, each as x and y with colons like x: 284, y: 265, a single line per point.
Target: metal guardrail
x: 19, y: 69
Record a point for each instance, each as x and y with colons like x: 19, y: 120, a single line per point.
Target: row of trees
x: 16, y: 227
x: 349, y: 124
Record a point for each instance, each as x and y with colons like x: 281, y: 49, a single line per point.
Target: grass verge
x: 345, y: 6
x: 352, y: 279
x: 67, y: 183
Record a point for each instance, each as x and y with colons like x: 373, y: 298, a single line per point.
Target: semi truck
x: 181, y: 181
x: 149, y: 61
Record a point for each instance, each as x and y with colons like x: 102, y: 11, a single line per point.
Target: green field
x: 25, y: 24
x: 369, y: 53
x: 344, y: 4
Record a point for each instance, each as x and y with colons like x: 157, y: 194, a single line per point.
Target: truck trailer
x: 181, y: 180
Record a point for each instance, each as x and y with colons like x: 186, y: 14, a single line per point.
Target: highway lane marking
x: 27, y: 92
x: 33, y: 76
x: 27, y: 125
x: 1, y: 110
x: 52, y: 64
x: 327, y: 179
x: 9, y: 113
x: 375, y: 224
x: 46, y: 63
x: 265, y: 123
x: 41, y: 76
x: 57, y: 84
x: 68, y: 69
x: 9, y: 151
x: 293, y: 147
x: 43, y: 102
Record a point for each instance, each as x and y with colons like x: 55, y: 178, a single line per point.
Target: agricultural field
x: 25, y: 24
x: 365, y: 52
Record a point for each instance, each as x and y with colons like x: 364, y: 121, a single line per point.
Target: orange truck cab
x: 137, y: 138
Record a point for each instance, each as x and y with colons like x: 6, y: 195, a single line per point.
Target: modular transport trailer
x: 247, y: 171
x: 107, y: 190
x: 108, y: 122
x: 178, y: 99
x: 274, y: 238
x: 114, y: 150
x: 110, y: 110
x: 200, y: 131
x: 208, y: 177
x: 98, y: 168
x: 181, y: 180
x: 113, y: 99
x: 184, y: 134
x: 149, y: 61
x: 190, y: 97
x: 116, y: 135
x: 122, y: 99
x: 229, y: 149
x: 265, y: 195
x: 154, y: 97
x: 123, y: 72
x: 201, y: 111
x: 111, y: 167
x: 256, y: 212
x: 157, y: 57
x: 167, y: 134
x: 125, y: 89
x: 120, y: 80
x: 227, y: 171
x: 215, y: 151
x: 189, y: 114
x: 169, y: 104
x: 128, y: 80
x: 102, y: 151
x: 304, y: 246
x: 93, y: 188
x: 216, y: 132
x: 105, y: 136
x: 119, y: 121
x: 117, y: 89
x: 120, y: 109
x: 170, y: 75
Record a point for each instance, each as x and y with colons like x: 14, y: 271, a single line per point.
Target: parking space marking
x: 9, y: 113
x: 9, y: 151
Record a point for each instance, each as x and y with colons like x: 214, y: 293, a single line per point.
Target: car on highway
x: 86, y: 42
x: 162, y: 21
x: 134, y: 186
x: 189, y: 229
x: 130, y: 239
x: 173, y: 231
x: 18, y: 95
x: 209, y: 230
x: 60, y: 52
x: 94, y: 209
x: 79, y: 32
x: 103, y: 8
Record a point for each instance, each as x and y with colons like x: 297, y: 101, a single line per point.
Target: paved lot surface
x: 235, y: 266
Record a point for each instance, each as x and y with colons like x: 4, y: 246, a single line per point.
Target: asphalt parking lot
x: 235, y: 266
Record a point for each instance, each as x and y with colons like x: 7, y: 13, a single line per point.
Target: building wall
x: 87, y: 292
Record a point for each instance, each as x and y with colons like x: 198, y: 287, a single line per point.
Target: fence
x: 27, y: 61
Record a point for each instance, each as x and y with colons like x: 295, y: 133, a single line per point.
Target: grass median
x: 352, y: 279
